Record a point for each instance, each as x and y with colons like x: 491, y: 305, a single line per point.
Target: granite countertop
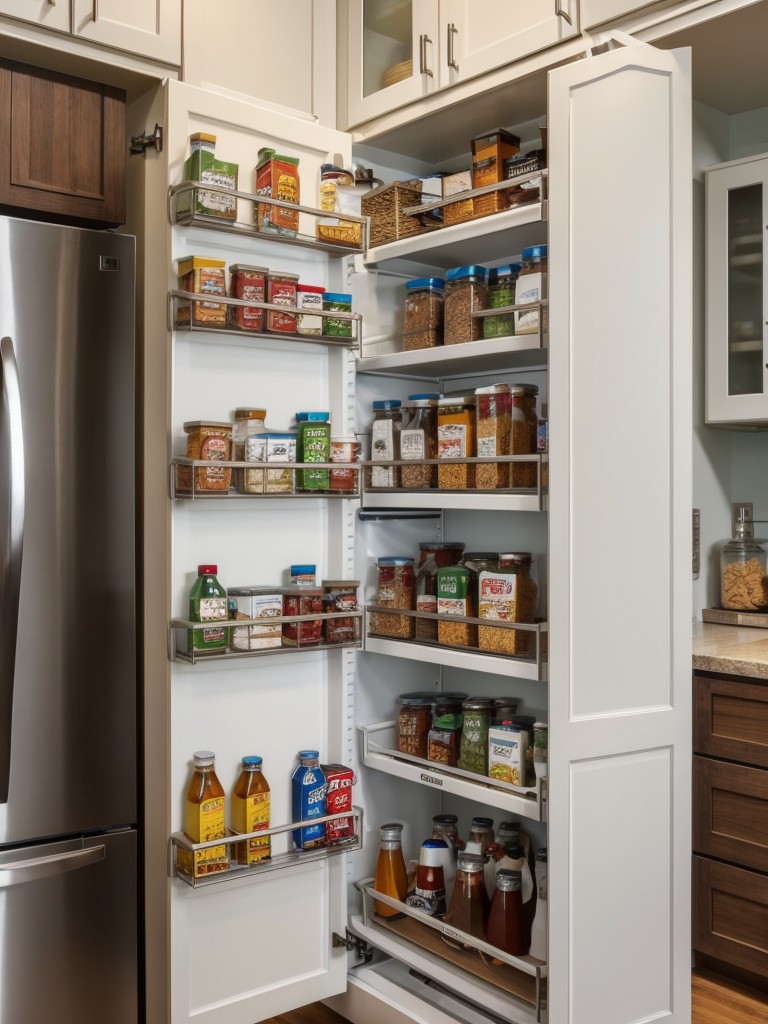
x: 736, y: 650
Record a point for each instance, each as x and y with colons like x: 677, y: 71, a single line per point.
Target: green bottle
x: 208, y: 603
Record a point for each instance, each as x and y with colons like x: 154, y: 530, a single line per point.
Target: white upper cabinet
x: 403, y: 50
x: 148, y: 28
x: 45, y: 13
x: 736, y: 375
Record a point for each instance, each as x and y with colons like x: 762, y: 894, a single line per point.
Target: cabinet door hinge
x: 149, y: 140
x: 353, y: 944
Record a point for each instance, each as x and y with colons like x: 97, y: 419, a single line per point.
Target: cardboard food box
x: 507, y: 746
x: 203, y: 275
x: 454, y: 184
x: 340, y: 780
x: 257, y: 603
x: 489, y: 151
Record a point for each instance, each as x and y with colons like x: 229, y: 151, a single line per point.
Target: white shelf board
x: 485, y: 239
x: 482, y: 501
x: 517, y: 352
x: 512, y: 668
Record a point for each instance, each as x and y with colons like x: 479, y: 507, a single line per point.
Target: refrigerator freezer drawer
x: 69, y: 937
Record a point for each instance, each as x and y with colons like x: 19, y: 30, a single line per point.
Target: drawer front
x: 730, y: 819
x: 730, y: 914
x: 731, y: 720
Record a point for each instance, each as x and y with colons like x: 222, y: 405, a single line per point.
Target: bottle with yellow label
x: 250, y: 812
x: 204, y: 819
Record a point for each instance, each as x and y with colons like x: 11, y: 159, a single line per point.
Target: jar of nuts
x: 423, y: 313
x: 418, y: 441
x: 456, y: 441
x: 507, y: 594
x: 523, y: 435
x: 413, y: 722
x: 395, y: 590
x: 465, y: 291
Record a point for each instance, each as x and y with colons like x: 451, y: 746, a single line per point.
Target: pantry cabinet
x: 402, y: 50
x: 618, y: 707
x: 736, y: 336
x: 147, y: 28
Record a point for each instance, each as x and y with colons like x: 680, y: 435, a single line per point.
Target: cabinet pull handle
x: 452, y: 31
x: 560, y: 12
x: 95, y: 10
x: 423, y: 69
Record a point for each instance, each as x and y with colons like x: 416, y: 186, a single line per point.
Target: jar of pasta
x: 395, y: 589
x: 507, y: 593
x: 523, y: 438
x: 456, y: 441
x: 494, y: 415
x: 418, y: 441
x: 423, y: 313
x: 465, y: 291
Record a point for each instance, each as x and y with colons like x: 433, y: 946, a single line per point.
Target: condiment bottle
x: 506, y: 927
x: 428, y: 894
x: 308, y: 800
x: 444, y: 827
x: 514, y: 859
x: 250, y: 811
x: 204, y: 818
x: 539, y: 926
x: 469, y: 906
x: 481, y: 841
x: 208, y: 603
x: 391, y: 875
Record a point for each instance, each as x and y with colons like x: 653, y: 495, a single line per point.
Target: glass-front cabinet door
x: 737, y: 378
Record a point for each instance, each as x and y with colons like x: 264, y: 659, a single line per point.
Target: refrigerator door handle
x: 35, y: 868
x: 10, y: 560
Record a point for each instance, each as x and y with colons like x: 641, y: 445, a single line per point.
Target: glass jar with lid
x: 524, y: 429
x: 432, y: 556
x: 455, y: 442
x: 494, y: 426
x: 395, y: 589
x: 249, y: 423
x: 414, y: 719
x: 466, y: 290
x: 743, y: 565
x: 501, y: 292
x: 507, y: 593
x: 418, y: 441
x: 385, y: 442
x: 423, y: 313
x: 445, y: 733
x: 532, y: 290
x: 476, y: 562
x: 473, y: 752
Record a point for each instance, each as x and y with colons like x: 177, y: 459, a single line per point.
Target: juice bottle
x: 208, y: 603
x: 308, y: 800
x: 391, y: 874
x: 204, y: 818
x: 250, y: 812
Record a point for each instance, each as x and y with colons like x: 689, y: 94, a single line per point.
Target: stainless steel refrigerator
x: 68, y: 659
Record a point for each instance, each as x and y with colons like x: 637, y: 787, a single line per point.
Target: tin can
x: 277, y: 177
x: 282, y: 291
x: 247, y: 283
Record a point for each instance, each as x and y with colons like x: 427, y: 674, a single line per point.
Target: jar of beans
x: 395, y: 589
x: 423, y: 313
x: 466, y: 290
x: 414, y: 719
x: 523, y: 434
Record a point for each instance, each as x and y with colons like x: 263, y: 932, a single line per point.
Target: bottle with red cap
x: 208, y: 603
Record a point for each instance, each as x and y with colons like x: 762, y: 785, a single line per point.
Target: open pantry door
x: 620, y: 501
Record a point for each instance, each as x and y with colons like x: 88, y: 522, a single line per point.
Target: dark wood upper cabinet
x: 64, y: 150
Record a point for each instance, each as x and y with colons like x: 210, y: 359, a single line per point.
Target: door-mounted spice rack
x: 194, y: 490
x: 288, y: 859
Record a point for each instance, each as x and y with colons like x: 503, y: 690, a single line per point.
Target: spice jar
x: 337, y: 302
x: 432, y: 556
x: 454, y: 598
x: 532, y: 289
x: 445, y: 734
x: 423, y: 313
x: 523, y: 439
x: 413, y: 723
x: 473, y: 753
x: 395, y: 590
x: 501, y: 293
x: 281, y: 291
x: 494, y: 418
x: 385, y: 442
x: 507, y: 594
x: 456, y: 440
x: 418, y: 441
x: 465, y: 291
x: 249, y: 423
x: 309, y: 299
x: 247, y: 283
x: 211, y: 442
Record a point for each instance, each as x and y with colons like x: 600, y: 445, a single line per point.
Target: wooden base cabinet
x: 730, y: 827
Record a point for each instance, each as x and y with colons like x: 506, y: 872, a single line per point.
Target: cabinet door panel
x: 149, y: 28
x: 730, y: 914
x: 730, y: 803
x: 39, y: 12
x: 731, y: 720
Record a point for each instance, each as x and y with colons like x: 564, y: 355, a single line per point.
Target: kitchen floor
x: 715, y: 1001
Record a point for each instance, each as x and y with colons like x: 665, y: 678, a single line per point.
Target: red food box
x: 340, y: 781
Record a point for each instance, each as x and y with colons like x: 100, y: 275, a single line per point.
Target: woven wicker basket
x: 385, y: 208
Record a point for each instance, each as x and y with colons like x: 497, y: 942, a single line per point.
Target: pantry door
x: 620, y: 542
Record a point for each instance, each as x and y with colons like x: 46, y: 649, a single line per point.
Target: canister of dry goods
x: 249, y: 423
x: 466, y: 290
x: 494, y: 425
x: 395, y: 589
x: 454, y: 598
x: 501, y: 292
x: 313, y: 444
x: 414, y: 719
x: 507, y: 593
x: 418, y: 441
x: 423, y: 313
x: 523, y: 436
x: 385, y: 442
x: 532, y: 289
x: 455, y: 442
